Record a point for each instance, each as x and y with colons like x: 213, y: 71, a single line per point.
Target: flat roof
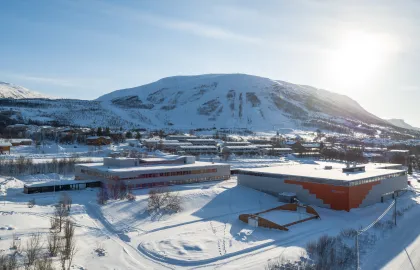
x: 148, y: 168
x: 198, y: 147
x: 241, y: 147
x: 60, y: 183
x: 319, y: 171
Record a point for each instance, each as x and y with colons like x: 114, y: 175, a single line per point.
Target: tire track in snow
x: 108, y: 230
x: 251, y: 251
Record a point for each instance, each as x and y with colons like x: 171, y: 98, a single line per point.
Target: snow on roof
x: 399, y: 151
x: 149, y: 168
x: 175, y: 143
x: 97, y: 137
x: 154, y: 159
x: 278, y: 149
x: 241, y: 147
x: 58, y: 183
x: 201, y: 140
x: 198, y: 147
x: 318, y: 171
x: 311, y: 145
x: 4, y: 144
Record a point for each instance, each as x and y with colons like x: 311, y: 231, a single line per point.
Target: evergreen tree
x: 138, y: 135
x: 129, y: 135
x: 161, y: 134
x: 410, y: 169
x: 107, y: 131
x: 99, y: 131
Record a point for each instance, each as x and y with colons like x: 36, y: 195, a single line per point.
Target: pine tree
x: 410, y: 169
x: 138, y: 135
x: 107, y: 131
x: 129, y: 135
x: 161, y: 134
x: 99, y: 131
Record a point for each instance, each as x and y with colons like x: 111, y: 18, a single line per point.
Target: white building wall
x: 386, y: 186
x: 222, y: 173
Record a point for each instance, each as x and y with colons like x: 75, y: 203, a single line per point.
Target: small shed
x: 5, y: 147
x: 98, y: 140
x: 287, y: 197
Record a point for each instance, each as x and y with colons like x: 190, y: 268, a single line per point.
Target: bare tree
x: 102, y: 196
x: 156, y: 199
x: 12, y: 263
x: 162, y: 199
x: 33, y: 247
x: 66, y: 200
x: 68, y: 235
x: 53, y: 242
x: 60, y: 214
x: 54, y: 223
x: 174, y: 203
x: 8, y: 262
x: 44, y: 264
x: 16, y: 244
x: 67, y: 252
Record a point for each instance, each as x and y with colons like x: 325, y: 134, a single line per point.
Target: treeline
x: 353, y: 155
x: 23, y: 166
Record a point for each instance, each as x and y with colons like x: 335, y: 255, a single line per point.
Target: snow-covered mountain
x: 207, y: 101
x: 231, y: 100
x: 402, y: 124
x: 8, y: 90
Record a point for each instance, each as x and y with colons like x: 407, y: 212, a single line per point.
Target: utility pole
x: 395, y: 207
x: 357, y: 251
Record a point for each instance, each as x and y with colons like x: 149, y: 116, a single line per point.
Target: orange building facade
x: 315, y: 186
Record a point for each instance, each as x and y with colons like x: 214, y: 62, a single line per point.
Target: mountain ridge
x: 9, y: 90
x: 209, y: 101
x: 402, y: 124
x: 212, y: 90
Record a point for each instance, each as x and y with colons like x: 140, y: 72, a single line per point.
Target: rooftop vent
x: 355, y: 168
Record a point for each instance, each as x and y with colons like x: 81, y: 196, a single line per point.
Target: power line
x: 359, y: 232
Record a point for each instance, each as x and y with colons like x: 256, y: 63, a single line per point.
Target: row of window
x: 99, y: 174
x: 148, y: 175
x: 175, y: 182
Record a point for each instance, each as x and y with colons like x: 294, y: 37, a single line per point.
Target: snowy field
x: 50, y: 150
x: 207, y: 234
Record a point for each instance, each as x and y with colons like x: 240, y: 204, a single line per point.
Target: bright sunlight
x: 358, y: 58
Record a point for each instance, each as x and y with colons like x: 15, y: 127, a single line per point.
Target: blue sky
x: 369, y: 51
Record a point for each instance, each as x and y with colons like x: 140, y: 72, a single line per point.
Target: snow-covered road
x: 401, y: 250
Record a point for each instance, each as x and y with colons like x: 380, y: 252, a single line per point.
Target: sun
x: 357, y: 59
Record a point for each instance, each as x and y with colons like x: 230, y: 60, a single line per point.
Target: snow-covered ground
x: 52, y: 150
x: 206, y: 234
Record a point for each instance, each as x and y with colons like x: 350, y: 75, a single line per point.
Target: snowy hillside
x: 402, y: 124
x: 207, y: 101
x: 8, y: 90
x: 231, y: 100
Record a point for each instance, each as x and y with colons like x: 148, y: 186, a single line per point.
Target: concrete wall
x: 328, y: 196
x: 386, y: 186
x: 276, y: 185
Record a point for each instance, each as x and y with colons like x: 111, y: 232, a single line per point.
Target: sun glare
x: 358, y: 58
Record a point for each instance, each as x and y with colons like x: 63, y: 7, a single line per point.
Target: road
x: 401, y: 250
